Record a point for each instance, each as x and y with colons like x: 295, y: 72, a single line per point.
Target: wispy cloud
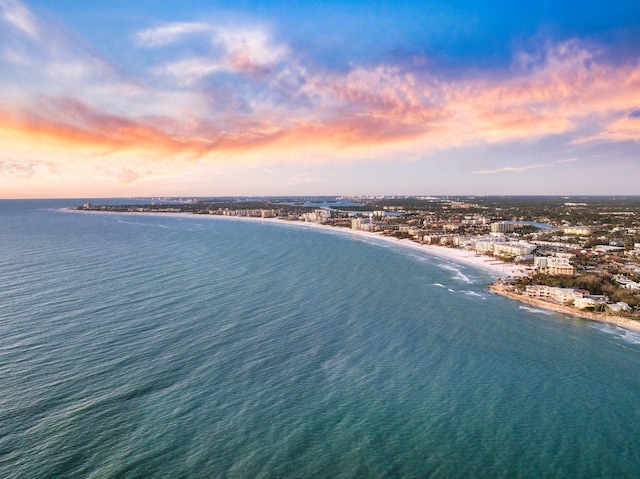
x: 242, y: 50
x: 219, y: 91
x: 168, y: 34
x: 305, y: 178
x: 507, y: 169
x: 17, y: 169
x: 568, y: 160
x: 19, y: 16
x: 618, y: 129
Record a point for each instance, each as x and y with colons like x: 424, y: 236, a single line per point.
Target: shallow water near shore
x: 156, y: 346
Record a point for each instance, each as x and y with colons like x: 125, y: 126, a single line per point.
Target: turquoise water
x: 154, y: 346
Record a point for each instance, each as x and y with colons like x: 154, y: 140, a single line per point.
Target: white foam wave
x: 473, y: 293
x: 632, y: 337
x: 142, y: 224
x: 535, y: 310
x: 438, y: 285
x: 459, y: 275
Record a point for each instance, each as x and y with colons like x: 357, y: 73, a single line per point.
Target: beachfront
x: 499, y: 269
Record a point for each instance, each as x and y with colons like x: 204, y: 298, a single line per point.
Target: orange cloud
x: 569, y: 87
x: 277, y: 105
x: 621, y: 129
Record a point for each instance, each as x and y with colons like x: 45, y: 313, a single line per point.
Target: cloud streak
x: 507, y: 169
x: 168, y: 34
x: 18, y: 16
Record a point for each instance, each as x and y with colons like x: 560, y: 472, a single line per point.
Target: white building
x: 513, y: 249
x: 625, y: 282
x: 577, y: 230
x: 553, y: 265
x: 317, y: 216
x: 584, y: 302
x: 502, y: 227
x: 619, y: 307
x: 361, y: 224
x: 559, y: 295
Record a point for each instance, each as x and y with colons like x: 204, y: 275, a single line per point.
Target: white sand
x: 499, y: 268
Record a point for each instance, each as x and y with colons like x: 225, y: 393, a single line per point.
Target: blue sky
x: 306, y: 98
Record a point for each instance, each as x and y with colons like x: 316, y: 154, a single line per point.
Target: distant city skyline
x: 318, y: 98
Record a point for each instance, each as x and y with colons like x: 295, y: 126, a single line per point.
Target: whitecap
x: 142, y: 224
x: 535, y: 310
x: 473, y: 293
x: 459, y: 275
x: 632, y: 337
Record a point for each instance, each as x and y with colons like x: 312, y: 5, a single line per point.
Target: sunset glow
x: 126, y: 100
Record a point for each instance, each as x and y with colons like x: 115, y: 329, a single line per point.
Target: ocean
x: 140, y: 346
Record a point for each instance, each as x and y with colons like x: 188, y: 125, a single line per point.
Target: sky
x: 270, y: 98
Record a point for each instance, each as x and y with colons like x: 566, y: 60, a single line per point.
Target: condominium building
x: 559, y: 295
x: 513, y: 249
x: 553, y: 265
x: 577, y: 230
x: 502, y: 227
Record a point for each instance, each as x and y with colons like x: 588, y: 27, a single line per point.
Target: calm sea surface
x: 136, y: 346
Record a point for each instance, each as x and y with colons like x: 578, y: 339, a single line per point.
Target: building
x: 474, y: 220
x: 513, y: 249
x: 483, y: 246
x: 360, y: 223
x: 559, y: 295
x: 584, y: 302
x: 553, y: 265
x: 577, y: 230
x: 625, y: 282
x: 502, y: 227
x: 618, y: 307
x: 317, y: 216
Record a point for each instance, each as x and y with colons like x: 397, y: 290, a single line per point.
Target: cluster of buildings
x: 554, y: 265
x: 578, y: 298
x: 603, y: 248
x: 496, y: 243
x: 253, y: 213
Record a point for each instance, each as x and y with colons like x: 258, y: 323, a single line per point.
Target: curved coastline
x: 563, y: 309
x: 468, y: 258
x: 497, y: 268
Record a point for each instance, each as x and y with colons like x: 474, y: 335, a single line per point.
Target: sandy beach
x: 559, y: 308
x: 497, y: 268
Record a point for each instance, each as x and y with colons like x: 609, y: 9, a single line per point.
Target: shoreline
x: 498, y: 268
x: 604, y: 318
x: 488, y: 264
x: 468, y: 258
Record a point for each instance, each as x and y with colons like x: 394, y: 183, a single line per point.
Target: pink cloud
x: 507, y: 169
x: 278, y: 100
